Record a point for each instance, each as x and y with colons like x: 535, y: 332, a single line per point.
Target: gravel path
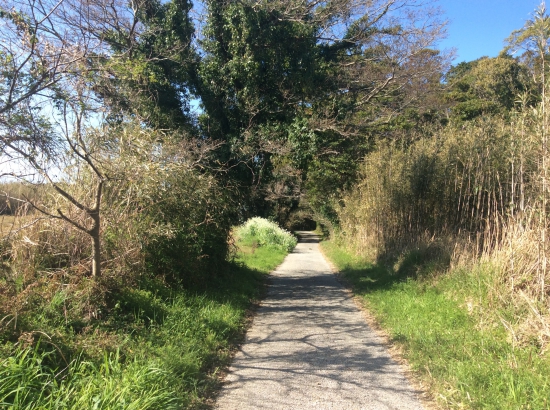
x: 310, y: 347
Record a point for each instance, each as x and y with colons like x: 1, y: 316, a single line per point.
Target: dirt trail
x: 310, y: 347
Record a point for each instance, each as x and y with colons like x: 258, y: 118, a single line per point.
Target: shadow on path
x: 309, y: 347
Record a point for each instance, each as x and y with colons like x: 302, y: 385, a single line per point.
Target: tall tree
x: 145, y: 65
x: 486, y: 86
x: 342, y: 66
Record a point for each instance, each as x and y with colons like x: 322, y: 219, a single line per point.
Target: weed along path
x: 310, y: 347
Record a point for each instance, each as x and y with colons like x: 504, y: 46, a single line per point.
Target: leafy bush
x: 184, y: 234
x: 183, y: 215
x: 266, y: 233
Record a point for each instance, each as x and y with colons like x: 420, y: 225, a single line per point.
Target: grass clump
x: 451, y: 329
x: 159, y: 348
x: 261, y: 232
x: 26, y: 382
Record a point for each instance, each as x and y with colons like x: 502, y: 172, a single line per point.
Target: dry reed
x: 480, y: 191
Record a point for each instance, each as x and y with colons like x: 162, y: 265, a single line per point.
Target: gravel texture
x: 310, y: 347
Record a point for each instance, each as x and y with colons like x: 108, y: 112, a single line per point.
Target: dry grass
x: 10, y: 224
x: 479, y: 193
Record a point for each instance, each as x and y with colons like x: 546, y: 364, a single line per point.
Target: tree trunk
x: 96, y: 247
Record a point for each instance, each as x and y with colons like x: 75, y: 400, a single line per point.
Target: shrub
x: 266, y: 233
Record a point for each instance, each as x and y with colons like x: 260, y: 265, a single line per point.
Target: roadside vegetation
x: 259, y: 232
x: 453, y: 327
x: 445, y: 235
x: 262, y: 244
x: 155, y: 347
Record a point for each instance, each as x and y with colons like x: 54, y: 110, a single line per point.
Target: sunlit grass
x: 159, y: 348
x: 26, y: 383
x: 261, y: 258
x: 464, y: 356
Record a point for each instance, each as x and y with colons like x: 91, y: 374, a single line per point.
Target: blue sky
x: 478, y: 28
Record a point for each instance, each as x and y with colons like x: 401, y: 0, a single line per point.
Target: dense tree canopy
x: 486, y: 86
x: 295, y: 88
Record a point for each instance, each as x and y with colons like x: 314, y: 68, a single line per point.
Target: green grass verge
x: 161, y: 348
x: 261, y: 258
x: 450, y: 333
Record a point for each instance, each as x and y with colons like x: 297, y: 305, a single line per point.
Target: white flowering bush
x: 265, y: 233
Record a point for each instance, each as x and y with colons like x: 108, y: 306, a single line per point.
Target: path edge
x: 222, y: 372
x: 396, y: 352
